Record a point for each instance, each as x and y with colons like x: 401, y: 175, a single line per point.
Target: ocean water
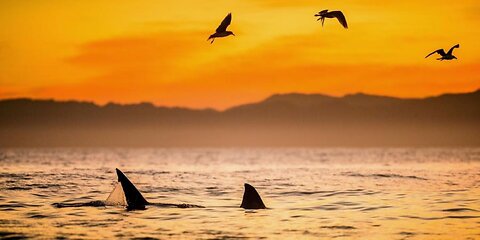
x: 402, y: 193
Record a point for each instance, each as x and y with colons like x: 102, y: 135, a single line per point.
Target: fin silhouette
x: 251, y: 198
x: 124, y: 193
x: 134, y: 198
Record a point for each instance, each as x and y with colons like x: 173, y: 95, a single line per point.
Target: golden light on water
x: 311, y: 194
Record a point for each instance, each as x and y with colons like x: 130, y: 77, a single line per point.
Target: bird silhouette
x: 222, y: 29
x: 333, y: 14
x: 445, y: 56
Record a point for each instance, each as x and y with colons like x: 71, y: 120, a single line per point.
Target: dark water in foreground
x: 312, y: 193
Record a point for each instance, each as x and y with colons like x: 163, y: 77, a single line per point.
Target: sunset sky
x: 156, y: 51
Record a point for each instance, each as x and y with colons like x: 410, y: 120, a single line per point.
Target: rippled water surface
x: 311, y: 193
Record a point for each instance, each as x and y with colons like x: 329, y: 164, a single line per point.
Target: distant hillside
x: 295, y: 120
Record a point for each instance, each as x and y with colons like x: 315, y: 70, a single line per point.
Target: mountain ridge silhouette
x: 291, y: 120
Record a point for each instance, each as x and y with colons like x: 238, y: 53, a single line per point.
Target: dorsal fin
x: 251, y: 198
x: 134, y: 198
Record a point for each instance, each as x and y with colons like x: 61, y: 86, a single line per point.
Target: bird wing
x: 439, y: 51
x: 451, y: 49
x: 226, y: 21
x: 341, y: 18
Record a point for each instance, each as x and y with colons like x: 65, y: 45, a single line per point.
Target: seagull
x: 445, y: 56
x: 333, y: 14
x: 222, y: 29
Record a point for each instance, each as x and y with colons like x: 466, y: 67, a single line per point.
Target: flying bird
x: 333, y: 14
x: 222, y: 29
x: 445, y: 56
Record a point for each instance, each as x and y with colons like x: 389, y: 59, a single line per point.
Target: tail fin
x: 251, y: 198
x: 134, y: 198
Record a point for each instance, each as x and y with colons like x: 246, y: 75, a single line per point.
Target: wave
x: 383, y: 175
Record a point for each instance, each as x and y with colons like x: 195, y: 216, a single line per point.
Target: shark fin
x: 134, y: 198
x: 251, y: 198
x: 116, y: 197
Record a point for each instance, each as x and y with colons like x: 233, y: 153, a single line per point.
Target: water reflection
x: 311, y: 193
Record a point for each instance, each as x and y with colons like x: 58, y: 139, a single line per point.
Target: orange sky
x: 156, y: 51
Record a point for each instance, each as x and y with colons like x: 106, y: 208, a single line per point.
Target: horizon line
x: 233, y: 106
